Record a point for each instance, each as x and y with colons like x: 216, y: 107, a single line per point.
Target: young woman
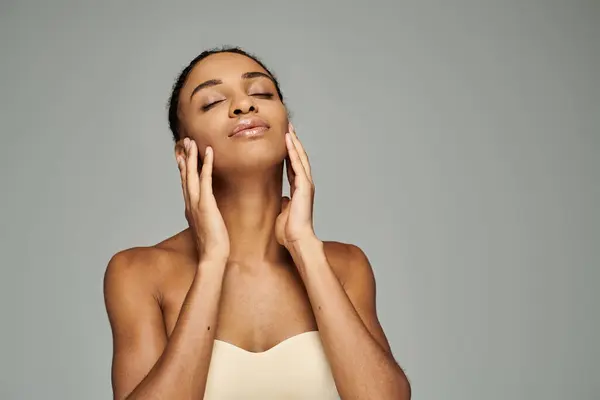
x: 247, y: 303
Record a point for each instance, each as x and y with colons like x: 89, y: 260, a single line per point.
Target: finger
x: 182, y: 175
x: 206, y: 174
x: 294, y: 157
x: 301, y: 152
x: 186, y: 146
x: 193, y: 184
x: 290, y: 174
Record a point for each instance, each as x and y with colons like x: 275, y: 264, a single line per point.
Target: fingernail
x: 206, y: 151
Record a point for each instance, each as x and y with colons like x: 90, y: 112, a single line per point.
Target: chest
x: 257, y: 309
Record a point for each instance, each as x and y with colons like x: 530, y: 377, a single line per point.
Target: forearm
x: 182, y: 369
x: 362, y: 369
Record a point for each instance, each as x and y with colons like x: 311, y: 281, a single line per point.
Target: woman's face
x: 230, y: 103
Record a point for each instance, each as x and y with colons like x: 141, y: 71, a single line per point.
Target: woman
x: 247, y: 303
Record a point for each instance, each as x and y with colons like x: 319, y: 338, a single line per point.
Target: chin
x: 263, y: 157
x: 253, y: 156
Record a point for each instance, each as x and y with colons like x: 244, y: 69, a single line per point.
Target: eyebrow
x: 215, y: 82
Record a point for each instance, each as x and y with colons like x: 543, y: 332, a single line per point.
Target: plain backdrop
x: 456, y: 142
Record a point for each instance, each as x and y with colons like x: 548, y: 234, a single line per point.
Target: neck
x: 249, y: 206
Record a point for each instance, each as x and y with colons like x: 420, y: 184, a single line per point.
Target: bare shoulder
x: 348, y: 261
x: 137, y: 267
x: 145, y: 268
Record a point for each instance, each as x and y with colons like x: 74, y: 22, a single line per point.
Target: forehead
x: 227, y: 67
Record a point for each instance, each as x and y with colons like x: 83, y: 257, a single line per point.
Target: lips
x: 249, y: 125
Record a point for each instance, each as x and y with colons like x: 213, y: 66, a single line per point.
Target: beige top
x: 293, y: 369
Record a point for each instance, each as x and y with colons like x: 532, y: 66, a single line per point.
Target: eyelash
x: 266, y: 95
x: 211, y: 105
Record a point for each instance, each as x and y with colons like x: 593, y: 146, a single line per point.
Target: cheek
x: 278, y: 117
x: 206, y: 130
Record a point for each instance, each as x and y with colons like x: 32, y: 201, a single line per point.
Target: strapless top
x: 293, y: 369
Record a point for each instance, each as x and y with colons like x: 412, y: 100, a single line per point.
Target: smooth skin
x: 250, y: 269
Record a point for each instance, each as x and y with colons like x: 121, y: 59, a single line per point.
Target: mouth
x: 252, y: 127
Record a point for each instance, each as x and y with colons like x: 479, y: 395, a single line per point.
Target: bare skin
x: 250, y: 270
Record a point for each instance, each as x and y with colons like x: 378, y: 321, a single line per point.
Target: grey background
x: 455, y: 142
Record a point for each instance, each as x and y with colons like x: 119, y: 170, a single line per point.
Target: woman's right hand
x: 201, y: 211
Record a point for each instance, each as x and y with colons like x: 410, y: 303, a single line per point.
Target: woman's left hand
x: 295, y: 220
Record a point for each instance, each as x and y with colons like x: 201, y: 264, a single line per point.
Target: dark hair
x: 181, y: 79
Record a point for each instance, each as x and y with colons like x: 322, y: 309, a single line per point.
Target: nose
x: 242, y: 105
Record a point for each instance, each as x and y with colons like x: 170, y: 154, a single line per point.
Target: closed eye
x: 264, y: 95
x: 211, y: 105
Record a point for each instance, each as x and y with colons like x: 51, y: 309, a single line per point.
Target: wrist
x: 212, y: 263
x: 307, y: 251
x: 305, y: 243
x: 209, y: 276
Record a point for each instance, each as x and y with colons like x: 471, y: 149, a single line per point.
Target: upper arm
x: 136, y: 322
x: 359, y: 284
